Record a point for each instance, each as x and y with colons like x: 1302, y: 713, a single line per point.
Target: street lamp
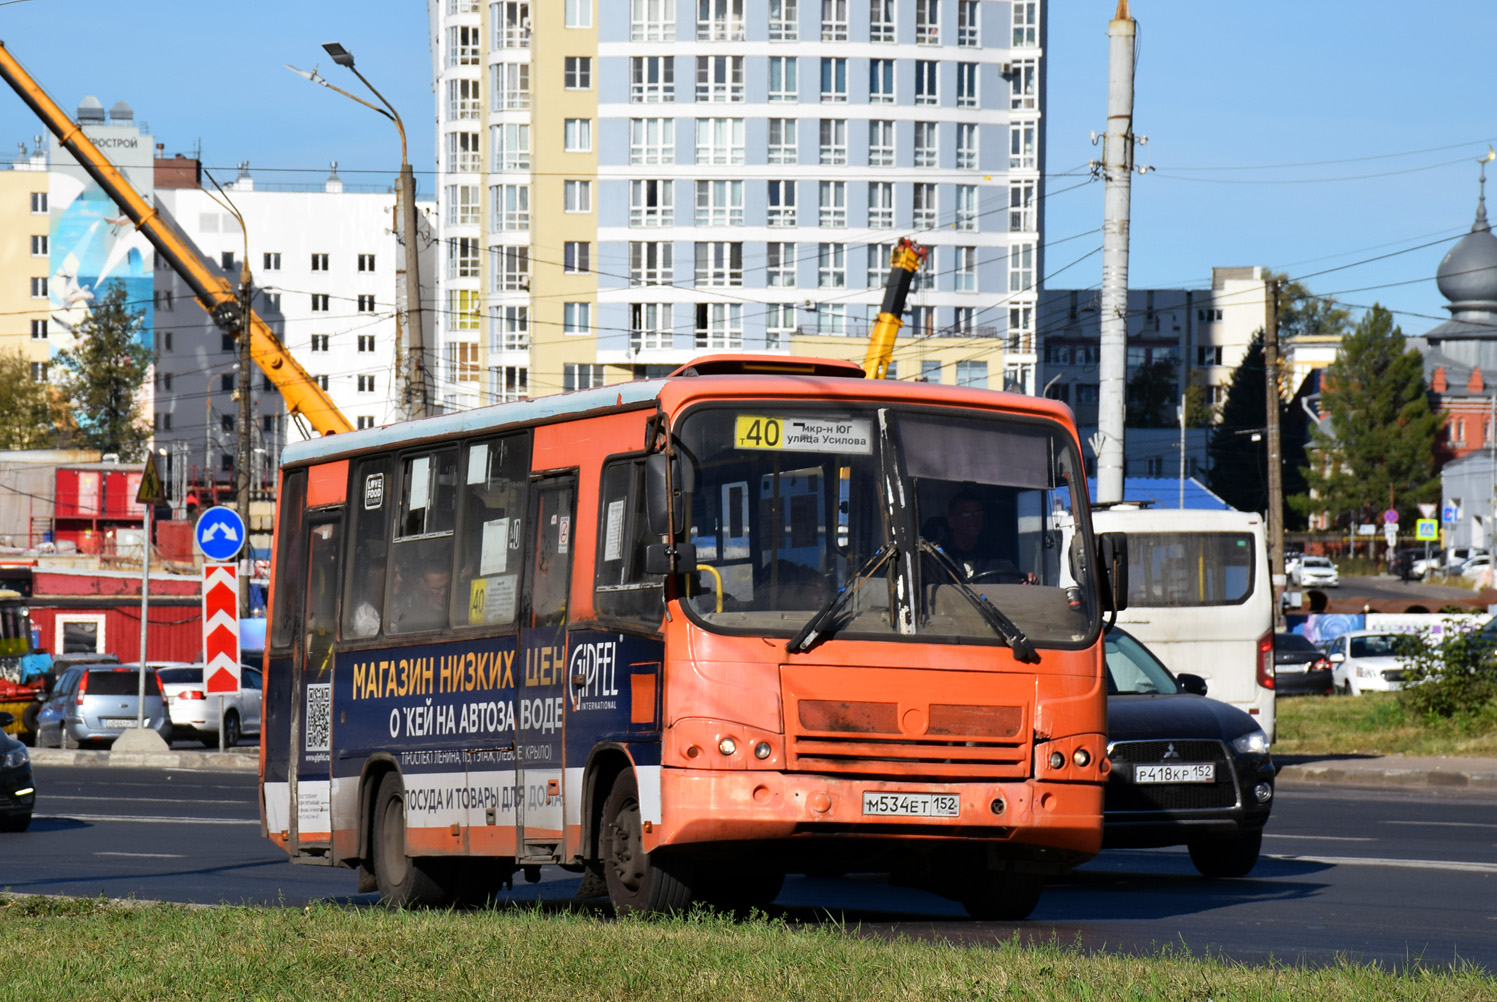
x: 412, y: 370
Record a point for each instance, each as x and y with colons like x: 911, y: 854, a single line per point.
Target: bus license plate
x: 1185, y: 772
x: 916, y: 805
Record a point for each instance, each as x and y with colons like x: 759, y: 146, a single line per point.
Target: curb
x: 1411, y: 777
x: 245, y: 761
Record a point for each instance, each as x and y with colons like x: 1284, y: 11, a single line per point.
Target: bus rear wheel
x: 638, y: 881
x: 403, y: 882
x: 1227, y: 857
x: 1004, y: 895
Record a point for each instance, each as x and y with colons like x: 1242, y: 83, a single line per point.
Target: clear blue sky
x: 1230, y: 96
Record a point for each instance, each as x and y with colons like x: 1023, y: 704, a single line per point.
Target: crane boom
x: 903, y: 263
x: 302, y: 394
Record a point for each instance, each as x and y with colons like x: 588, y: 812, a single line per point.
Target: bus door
x: 543, y: 657
x: 312, y: 689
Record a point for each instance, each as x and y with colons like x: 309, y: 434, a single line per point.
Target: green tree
x: 28, y: 413
x: 1153, y: 393
x: 1380, y: 446
x: 1198, y: 413
x: 1302, y: 313
x: 102, y: 375
x: 1238, y: 451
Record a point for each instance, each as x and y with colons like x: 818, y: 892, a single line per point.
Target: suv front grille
x: 1125, y: 796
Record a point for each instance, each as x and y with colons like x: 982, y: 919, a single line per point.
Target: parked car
x: 1473, y: 568
x: 1186, y: 770
x: 1316, y: 572
x: 1299, y: 666
x: 96, y: 703
x: 17, y: 793
x: 1366, y: 661
x: 194, y: 713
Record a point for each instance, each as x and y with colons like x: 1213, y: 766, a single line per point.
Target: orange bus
x: 687, y: 635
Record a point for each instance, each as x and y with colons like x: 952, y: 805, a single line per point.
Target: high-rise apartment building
x: 25, y: 259
x: 625, y: 185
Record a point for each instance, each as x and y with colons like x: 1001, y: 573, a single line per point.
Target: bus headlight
x: 762, y: 750
x: 727, y: 746
x: 1254, y: 742
x: 1081, y: 757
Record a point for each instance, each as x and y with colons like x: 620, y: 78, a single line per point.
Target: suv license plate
x: 917, y: 805
x: 1186, y: 772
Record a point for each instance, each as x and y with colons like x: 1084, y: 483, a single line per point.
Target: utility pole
x: 415, y: 370
x: 1275, y: 513
x: 242, y: 481
x: 1117, y: 170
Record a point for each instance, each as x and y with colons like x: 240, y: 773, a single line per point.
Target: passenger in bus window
x: 969, y: 548
x: 421, y: 598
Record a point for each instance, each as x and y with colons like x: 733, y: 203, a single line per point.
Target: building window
x: 781, y: 207
x: 366, y: 302
x: 366, y: 343
x: 576, y: 319
x: 652, y: 203
x: 881, y: 21
x: 720, y: 325
x: 969, y: 28
x: 226, y: 342
x: 576, y: 257
x: 927, y: 152
x: 462, y: 100
x: 319, y: 343
x: 39, y: 203
x: 966, y: 269
x: 832, y: 203
x: 1207, y: 354
x: 720, y: 20
x: 782, y: 144
x: 880, y: 143
x: 1021, y: 328
x: 272, y: 301
x: 166, y: 340
x: 783, y: 18
x: 649, y: 326
x: 511, y: 24
x: 577, y: 72
x: 578, y: 135
x: 652, y: 78
x: 719, y: 263
x: 833, y: 150
x: 509, y: 328
x: 510, y: 83
x: 927, y: 22
x: 1206, y: 316
x: 972, y: 374
x: 926, y: 82
x: 462, y: 306
x: 966, y: 85
x: 879, y: 256
x: 881, y: 205
x: 1023, y: 76
x: 320, y: 302
x: 577, y: 196
x: 38, y: 330
x: 720, y: 78
x: 719, y: 141
x: 363, y: 421
x: 834, y: 79
x: 38, y: 288
x: 226, y: 261
x: 881, y: 81
x: 831, y: 266
x: 930, y: 371
x: 579, y: 376
x: 509, y: 382
x: 462, y: 257
x: 1021, y: 217
x: 39, y: 245
x: 462, y: 45
x: 271, y: 261
x: 652, y: 20
x: 784, y: 83
x: 366, y: 383
x: 966, y: 207
x: 925, y: 277
x: 511, y: 206
x: 651, y: 263
x: 924, y: 203
x: 719, y: 203
x: 834, y: 20
x: 779, y: 325
x: 964, y: 320
x: 831, y: 318
x: 1021, y: 146
x: 463, y: 156
x: 1026, y: 17
x: 1086, y: 393
x: 652, y: 141
x: 579, y: 13
x: 1020, y: 267
x: 966, y: 145
x: 511, y: 268
x: 779, y: 266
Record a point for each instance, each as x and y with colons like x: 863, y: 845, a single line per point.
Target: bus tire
x: 1227, y: 857
x: 739, y: 887
x: 1006, y: 895
x: 403, y: 882
x: 638, y: 881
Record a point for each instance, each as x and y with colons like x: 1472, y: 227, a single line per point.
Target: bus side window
x: 290, y: 562
x: 370, y: 502
x: 421, y: 580
x: 491, y: 531
x: 622, y: 589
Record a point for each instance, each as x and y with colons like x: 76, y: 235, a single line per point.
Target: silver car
x: 96, y: 703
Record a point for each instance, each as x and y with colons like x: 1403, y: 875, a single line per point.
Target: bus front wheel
x: 638, y: 881
x: 402, y: 881
x: 1006, y: 895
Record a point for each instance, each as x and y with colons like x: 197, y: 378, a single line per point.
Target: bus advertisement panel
x: 688, y: 635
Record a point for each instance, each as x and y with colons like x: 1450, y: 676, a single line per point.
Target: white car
x: 1366, y: 661
x: 1473, y: 568
x: 1316, y: 572
x: 195, y: 713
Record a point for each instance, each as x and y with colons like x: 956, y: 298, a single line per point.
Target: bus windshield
x: 789, y: 507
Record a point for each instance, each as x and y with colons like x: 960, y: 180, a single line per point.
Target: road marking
x: 1401, y: 864
x: 144, y: 855
x: 1442, y: 824
x: 1322, y: 838
x: 146, y: 819
x: 150, y: 800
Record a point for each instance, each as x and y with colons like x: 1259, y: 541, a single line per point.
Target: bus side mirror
x: 658, y: 558
x: 662, y: 502
x: 1112, y: 570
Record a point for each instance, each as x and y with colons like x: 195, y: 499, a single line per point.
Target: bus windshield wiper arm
x: 1006, y: 628
x: 812, y: 632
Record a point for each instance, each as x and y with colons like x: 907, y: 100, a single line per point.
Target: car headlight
x: 14, y: 759
x: 1254, y: 742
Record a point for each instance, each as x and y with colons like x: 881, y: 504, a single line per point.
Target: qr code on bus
x: 319, y: 719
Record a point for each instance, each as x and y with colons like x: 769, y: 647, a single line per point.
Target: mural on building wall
x: 93, y: 243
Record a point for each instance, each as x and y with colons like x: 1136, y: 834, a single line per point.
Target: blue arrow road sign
x: 220, y: 533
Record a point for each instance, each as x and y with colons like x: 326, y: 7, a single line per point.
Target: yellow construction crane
x: 304, y: 398
x: 903, y: 263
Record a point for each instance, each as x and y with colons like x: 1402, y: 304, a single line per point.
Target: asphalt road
x: 1391, y: 877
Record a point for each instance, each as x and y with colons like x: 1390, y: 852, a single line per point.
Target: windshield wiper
x: 1006, y: 628
x: 811, y: 632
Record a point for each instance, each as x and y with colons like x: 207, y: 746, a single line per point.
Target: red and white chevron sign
x: 220, y: 628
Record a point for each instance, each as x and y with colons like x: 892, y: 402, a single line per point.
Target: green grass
x: 1375, y: 723
x: 89, y: 949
